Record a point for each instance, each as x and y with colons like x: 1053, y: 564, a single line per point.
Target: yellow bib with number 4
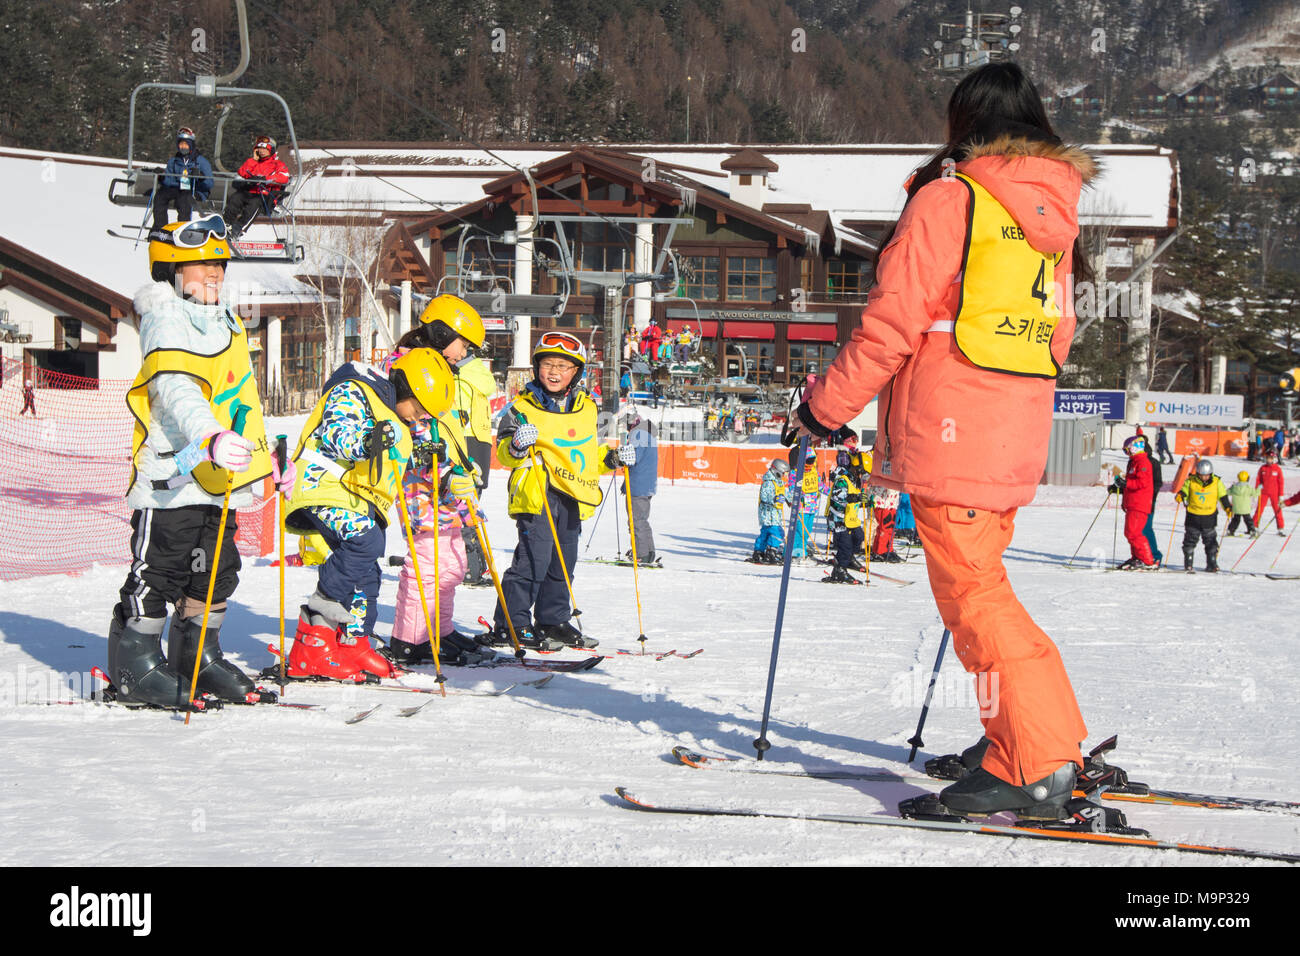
x: 1008, y: 311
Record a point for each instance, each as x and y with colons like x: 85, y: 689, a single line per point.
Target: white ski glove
x: 626, y: 455
x: 231, y: 451
x: 524, y: 438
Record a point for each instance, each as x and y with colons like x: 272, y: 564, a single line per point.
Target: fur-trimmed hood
x: 1038, y: 181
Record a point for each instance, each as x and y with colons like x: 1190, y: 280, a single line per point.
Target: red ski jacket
x: 1269, y: 481
x: 271, y: 169
x: 1138, y: 484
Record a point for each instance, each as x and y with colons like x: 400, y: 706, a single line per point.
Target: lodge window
x: 600, y: 247
x: 806, y: 357
x: 846, y: 278
x: 699, y: 278
x: 751, y: 278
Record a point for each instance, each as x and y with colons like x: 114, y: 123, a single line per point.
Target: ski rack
x: 138, y: 182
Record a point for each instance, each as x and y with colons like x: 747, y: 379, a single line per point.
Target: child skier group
x: 379, y: 437
x: 851, y: 507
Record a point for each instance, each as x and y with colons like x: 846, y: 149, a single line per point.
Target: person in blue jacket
x: 644, y: 479
x: 188, y: 177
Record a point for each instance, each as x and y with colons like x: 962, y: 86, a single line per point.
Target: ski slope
x: 1196, y: 674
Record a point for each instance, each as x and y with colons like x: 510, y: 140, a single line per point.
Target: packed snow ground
x: 1197, y: 675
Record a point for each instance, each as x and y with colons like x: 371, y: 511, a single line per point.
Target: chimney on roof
x: 747, y: 174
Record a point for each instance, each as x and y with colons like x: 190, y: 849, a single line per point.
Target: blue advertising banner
x: 1109, y: 405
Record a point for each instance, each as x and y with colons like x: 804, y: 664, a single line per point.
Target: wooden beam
x: 722, y: 217
x: 615, y: 206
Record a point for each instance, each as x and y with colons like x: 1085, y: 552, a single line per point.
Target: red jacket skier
x: 1269, y: 482
x: 1137, y: 486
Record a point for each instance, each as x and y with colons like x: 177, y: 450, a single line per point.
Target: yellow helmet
x: 201, y: 241
x: 458, y: 316
x: 1243, y: 476
x: 430, y: 379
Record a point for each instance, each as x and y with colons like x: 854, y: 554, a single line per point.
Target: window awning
x: 798, y: 332
x: 750, y: 330
x: 710, y: 328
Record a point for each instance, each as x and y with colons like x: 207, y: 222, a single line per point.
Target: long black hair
x: 997, y: 99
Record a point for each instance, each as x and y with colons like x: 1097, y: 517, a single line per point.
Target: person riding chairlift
x: 263, y: 178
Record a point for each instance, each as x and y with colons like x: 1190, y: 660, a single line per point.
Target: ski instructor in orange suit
x: 962, y: 337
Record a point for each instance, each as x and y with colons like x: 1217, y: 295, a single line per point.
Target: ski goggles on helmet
x: 194, y: 235
x: 562, y: 345
x: 1136, y: 444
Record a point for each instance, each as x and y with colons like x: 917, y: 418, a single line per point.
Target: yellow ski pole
x: 237, y: 426
x: 207, y: 601
x: 544, y: 481
x: 281, y: 450
x: 419, y: 581
x: 486, y: 545
x: 636, y: 571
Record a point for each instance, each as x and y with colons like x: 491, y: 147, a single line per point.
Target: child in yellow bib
x: 547, y: 437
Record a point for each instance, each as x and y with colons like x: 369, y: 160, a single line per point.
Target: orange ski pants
x: 1027, y: 705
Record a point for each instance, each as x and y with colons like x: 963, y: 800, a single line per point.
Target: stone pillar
x: 1134, y: 304
x: 642, y: 262
x: 523, y: 342
x: 274, y: 378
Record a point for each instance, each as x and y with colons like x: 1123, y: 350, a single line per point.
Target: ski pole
x: 916, y: 740
x: 600, y: 511
x: 281, y: 450
x: 481, y: 529
x: 1114, y: 538
x: 762, y: 744
x: 636, y: 572
x: 866, y: 544
x: 419, y: 583
x: 237, y: 426
x: 1284, y: 544
x: 1253, y: 540
x: 1169, y: 550
x: 544, y: 480
x: 1094, y: 521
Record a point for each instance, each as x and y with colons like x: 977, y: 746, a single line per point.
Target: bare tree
x: 343, y: 236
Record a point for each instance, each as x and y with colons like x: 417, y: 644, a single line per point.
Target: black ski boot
x: 567, y: 635
x: 405, y: 654
x: 774, y: 556
x: 459, y: 650
x: 839, y: 575
x: 217, y: 676
x: 980, y: 794
x: 532, y: 640
x: 957, y: 766
x: 137, y: 668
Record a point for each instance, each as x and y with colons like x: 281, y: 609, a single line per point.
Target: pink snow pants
x: 408, y: 618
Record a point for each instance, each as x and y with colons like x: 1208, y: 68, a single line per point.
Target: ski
x: 362, y: 714
x: 660, y: 655
x: 1137, y: 793
x: 412, y: 711
x: 624, y: 563
x: 1027, y: 830
x: 458, y: 692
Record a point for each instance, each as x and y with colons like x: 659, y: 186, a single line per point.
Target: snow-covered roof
x: 851, y: 182
x: 56, y: 206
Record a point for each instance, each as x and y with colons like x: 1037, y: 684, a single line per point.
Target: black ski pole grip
x: 281, y: 450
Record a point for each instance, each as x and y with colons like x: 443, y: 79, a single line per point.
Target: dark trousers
x: 165, y: 195
x: 534, y: 585
x: 1236, y: 519
x: 1198, y: 529
x: 171, y: 550
x: 475, y: 562
x: 481, y: 452
x: 353, y: 565
x: 848, y: 545
x: 639, y: 523
x: 241, y: 207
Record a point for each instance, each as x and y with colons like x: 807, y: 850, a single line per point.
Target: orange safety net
x: 64, y: 472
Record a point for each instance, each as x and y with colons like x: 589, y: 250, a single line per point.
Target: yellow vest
x: 474, y: 388
x: 350, y: 484
x: 1008, y: 311
x: 852, y: 519
x: 228, y: 384
x: 566, y: 449
x: 1203, y: 499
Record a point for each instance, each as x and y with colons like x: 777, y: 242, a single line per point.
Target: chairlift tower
x: 981, y: 38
